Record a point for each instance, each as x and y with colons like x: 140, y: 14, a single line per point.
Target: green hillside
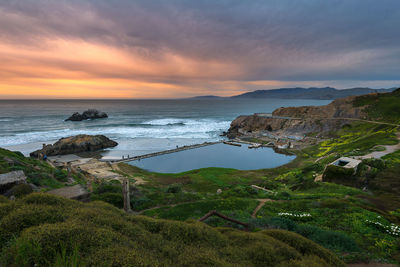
x: 44, y: 230
x: 38, y: 172
x: 382, y: 107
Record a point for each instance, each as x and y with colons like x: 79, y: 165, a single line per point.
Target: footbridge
x: 164, y: 152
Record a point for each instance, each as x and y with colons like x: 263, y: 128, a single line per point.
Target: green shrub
x: 307, y: 261
x: 304, y: 183
x: 197, y: 209
x: 283, y: 195
x: 122, y: 256
x: 239, y: 191
x: 5, y: 208
x: 3, y: 199
x: 61, y: 175
x: 329, y: 239
x: 315, y: 167
x: 108, y: 188
x: 47, y: 199
x: 270, y: 184
x: 274, y: 222
x: 175, y: 188
x: 372, y: 173
x: 53, y: 238
x: 304, y: 246
x: 65, y: 259
x: 45, y: 230
x: 335, y: 173
x: 141, y: 203
x: 333, y: 204
x: 21, y: 190
x: 26, y: 216
x: 116, y: 199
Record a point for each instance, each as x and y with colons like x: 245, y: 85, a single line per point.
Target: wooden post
x: 125, y: 192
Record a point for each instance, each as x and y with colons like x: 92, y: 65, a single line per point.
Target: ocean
x: 139, y: 126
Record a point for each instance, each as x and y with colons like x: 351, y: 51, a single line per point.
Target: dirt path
x: 318, y: 178
x: 260, y: 205
x: 379, y: 154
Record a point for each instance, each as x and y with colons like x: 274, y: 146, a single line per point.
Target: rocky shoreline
x: 290, y: 127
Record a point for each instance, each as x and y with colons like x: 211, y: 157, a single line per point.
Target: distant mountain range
x: 304, y: 93
x: 207, y: 97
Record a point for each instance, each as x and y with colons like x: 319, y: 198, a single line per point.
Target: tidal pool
x: 218, y: 155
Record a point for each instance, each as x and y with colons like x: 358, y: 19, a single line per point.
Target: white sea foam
x: 163, y: 128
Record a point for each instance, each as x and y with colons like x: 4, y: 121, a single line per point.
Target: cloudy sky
x: 171, y: 48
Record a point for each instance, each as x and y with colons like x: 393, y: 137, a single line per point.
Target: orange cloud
x: 78, y: 69
x: 73, y: 68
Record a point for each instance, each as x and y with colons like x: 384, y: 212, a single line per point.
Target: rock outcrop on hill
x: 75, y: 144
x: 8, y: 180
x: 339, y: 108
x: 89, y: 114
x: 299, y: 120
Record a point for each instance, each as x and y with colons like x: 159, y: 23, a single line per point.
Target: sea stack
x: 89, y: 114
x: 75, y: 144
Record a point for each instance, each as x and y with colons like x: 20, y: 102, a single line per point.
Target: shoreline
x: 132, y: 147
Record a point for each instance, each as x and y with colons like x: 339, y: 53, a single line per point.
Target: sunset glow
x: 78, y: 49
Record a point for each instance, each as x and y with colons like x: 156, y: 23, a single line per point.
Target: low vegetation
x: 383, y: 107
x: 44, y: 230
x: 39, y: 173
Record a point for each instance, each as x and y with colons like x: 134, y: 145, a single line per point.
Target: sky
x: 172, y: 49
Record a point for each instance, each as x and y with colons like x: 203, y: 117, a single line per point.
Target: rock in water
x: 75, y: 144
x: 88, y: 114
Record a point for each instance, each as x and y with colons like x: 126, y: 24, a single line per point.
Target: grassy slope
x: 334, y: 208
x: 46, y: 230
x: 38, y: 172
x: 382, y: 107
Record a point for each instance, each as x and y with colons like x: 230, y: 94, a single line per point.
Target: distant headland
x: 324, y: 93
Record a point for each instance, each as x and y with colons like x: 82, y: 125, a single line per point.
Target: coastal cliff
x: 299, y: 120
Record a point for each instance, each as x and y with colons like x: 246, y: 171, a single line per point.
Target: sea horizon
x: 139, y: 126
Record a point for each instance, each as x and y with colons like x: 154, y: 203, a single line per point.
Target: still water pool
x: 218, y: 155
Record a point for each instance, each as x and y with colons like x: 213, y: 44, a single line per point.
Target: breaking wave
x: 160, y: 128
